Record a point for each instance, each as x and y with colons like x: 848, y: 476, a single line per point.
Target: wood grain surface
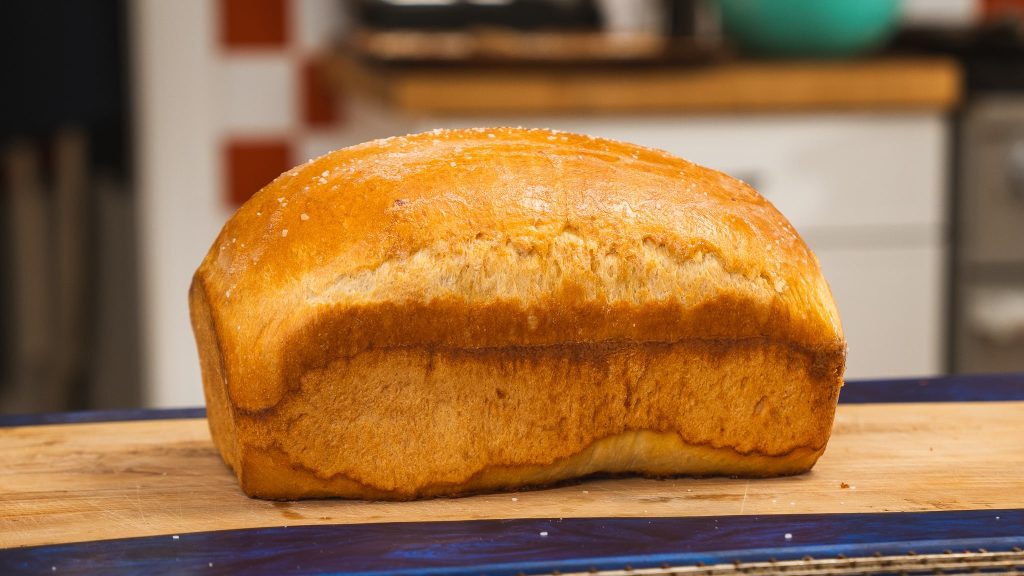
x: 873, y: 84
x: 78, y: 482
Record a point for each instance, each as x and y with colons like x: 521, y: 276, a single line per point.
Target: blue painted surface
x: 505, y: 547
x: 966, y: 388
x: 7, y: 420
x: 976, y: 388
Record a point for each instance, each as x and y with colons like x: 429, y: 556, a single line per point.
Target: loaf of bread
x: 465, y: 311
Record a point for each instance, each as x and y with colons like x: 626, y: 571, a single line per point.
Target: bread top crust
x: 501, y: 237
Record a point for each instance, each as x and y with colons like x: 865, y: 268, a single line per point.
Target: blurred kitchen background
x: 890, y: 133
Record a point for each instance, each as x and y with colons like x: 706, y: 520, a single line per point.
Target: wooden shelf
x: 874, y: 84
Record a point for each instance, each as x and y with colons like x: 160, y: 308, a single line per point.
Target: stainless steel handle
x: 1015, y: 170
x: 997, y: 314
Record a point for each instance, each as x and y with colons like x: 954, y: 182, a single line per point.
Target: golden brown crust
x: 664, y: 454
x: 441, y: 267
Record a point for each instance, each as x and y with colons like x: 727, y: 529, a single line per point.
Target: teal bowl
x: 809, y: 28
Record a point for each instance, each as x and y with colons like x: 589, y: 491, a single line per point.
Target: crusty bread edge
x: 268, y: 473
x: 220, y: 412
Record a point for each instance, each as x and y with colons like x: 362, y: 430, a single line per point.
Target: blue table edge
x: 507, y: 547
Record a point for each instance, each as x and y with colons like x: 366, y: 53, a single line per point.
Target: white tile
x: 314, y: 145
x: 258, y: 93
x: 317, y: 23
x: 180, y: 205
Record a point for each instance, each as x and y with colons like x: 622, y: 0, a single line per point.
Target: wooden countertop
x: 914, y: 83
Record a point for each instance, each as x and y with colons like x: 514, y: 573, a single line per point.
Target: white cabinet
x: 866, y: 190
x: 890, y: 302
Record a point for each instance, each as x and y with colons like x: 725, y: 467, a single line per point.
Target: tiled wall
x: 273, y: 96
x: 227, y: 97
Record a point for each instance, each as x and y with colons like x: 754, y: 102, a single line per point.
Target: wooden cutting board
x: 109, y: 480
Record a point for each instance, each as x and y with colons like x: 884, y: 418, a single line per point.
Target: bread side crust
x: 644, y: 453
x: 409, y: 423
x: 220, y: 413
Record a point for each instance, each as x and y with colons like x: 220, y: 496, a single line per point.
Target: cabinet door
x: 890, y: 301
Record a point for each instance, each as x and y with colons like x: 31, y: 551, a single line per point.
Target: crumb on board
x: 789, y: 536
x: 844, y: 485
x: 514, y: 499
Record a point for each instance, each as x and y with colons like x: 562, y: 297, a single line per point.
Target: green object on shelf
x: 809, y: 28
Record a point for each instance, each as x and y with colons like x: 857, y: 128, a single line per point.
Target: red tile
x: 996, y: 10
x: 254, y: 23
x: 252, y: 164
x: 319, y: 103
